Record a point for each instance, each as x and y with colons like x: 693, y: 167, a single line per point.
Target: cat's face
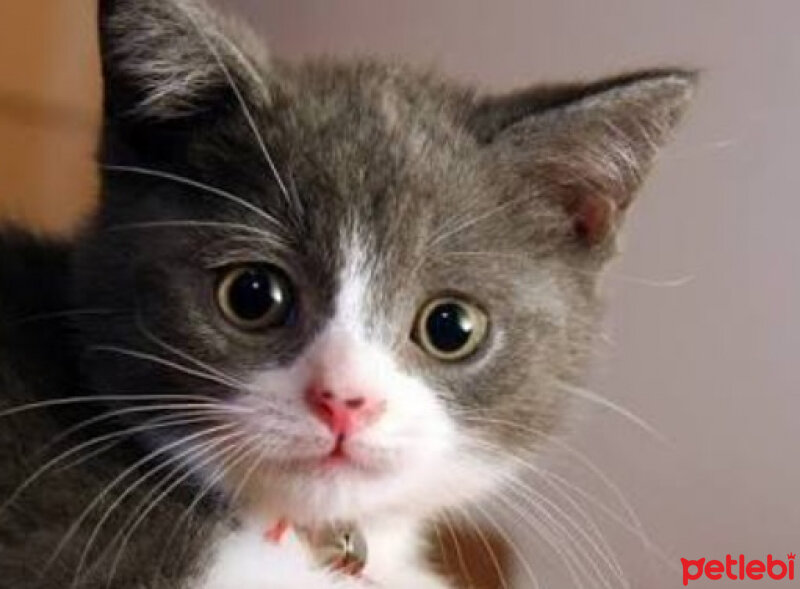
x: 374, y: 286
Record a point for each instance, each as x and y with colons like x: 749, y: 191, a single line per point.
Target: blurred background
x: 704, y: 325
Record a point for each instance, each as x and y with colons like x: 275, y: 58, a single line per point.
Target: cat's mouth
x: 338, y: 456
x: 345, y: 456
x: 338, y: 450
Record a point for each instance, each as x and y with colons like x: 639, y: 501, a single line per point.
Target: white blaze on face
x: 425, y: 464
x: 413, y: 454
x: 352, y: 356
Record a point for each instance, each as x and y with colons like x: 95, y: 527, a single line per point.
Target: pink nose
x: 344, y: 415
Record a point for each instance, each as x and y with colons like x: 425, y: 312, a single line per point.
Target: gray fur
x: 446, y: 190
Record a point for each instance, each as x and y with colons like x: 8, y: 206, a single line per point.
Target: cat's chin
x: 332, y: 466
x: 323, y: 489
x: 311, y: 491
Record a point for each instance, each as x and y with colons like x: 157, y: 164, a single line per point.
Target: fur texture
x: 376, y: 189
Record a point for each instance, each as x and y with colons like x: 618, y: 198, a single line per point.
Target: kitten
x: 316, y: 293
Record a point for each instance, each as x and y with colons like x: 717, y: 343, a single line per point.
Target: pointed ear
x: 164, y: 60
x: 586, y: 146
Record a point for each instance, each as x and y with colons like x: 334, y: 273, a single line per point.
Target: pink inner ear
x: 594, y: 216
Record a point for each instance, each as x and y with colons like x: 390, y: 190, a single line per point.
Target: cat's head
x: 356, y: 287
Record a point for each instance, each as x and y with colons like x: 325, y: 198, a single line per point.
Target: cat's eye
x: 450, y: 328
x: 255, y: 296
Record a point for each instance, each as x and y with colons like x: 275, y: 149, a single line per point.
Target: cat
x: 312, y: 294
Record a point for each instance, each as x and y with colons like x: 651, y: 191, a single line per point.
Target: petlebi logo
x: 739, y: 568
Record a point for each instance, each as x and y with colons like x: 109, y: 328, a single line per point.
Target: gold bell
x: 339, y: 547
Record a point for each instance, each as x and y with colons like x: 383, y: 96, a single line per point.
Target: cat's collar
x: 339, y: 547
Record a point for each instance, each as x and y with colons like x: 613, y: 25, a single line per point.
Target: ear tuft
x: 166, y: 59
x: 587, y: 146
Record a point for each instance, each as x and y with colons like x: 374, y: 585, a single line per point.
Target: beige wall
x: 712, y: 362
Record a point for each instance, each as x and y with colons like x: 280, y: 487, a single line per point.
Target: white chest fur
x: 243, y: 559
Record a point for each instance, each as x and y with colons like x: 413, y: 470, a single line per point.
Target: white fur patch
x: 244, y: 560
x: 411, y: 462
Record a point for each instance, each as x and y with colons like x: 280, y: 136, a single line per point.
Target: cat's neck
x: 394, y: 556
x: 390, y: 539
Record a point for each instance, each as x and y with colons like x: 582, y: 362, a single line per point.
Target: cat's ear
x: 586, y: 146
x: 165, y: 60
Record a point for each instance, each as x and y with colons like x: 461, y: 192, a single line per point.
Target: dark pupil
x: 254, y: 294
x: 449, y: 327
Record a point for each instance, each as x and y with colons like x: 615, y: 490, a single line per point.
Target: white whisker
x: 230, y: 461
x: 151, y: 503
x: 73, y: 529
x: 164, y: 175
x: 192, y: 449
x: 167, y: 363
x: 63, y: 314
x: 542, y: 529
x: 511, y: 543
x: 487, y: 547
x: 588, y: 395
x: 180, y: 420
x: 569, y: 551
x: 541, y: 502
x: 257, y: 135
x: 592, y: 525
x: 635, y: 526
x: 62, y: 401
x: 190, y: 408
x: 185, y: 355
x: 196, y: 224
